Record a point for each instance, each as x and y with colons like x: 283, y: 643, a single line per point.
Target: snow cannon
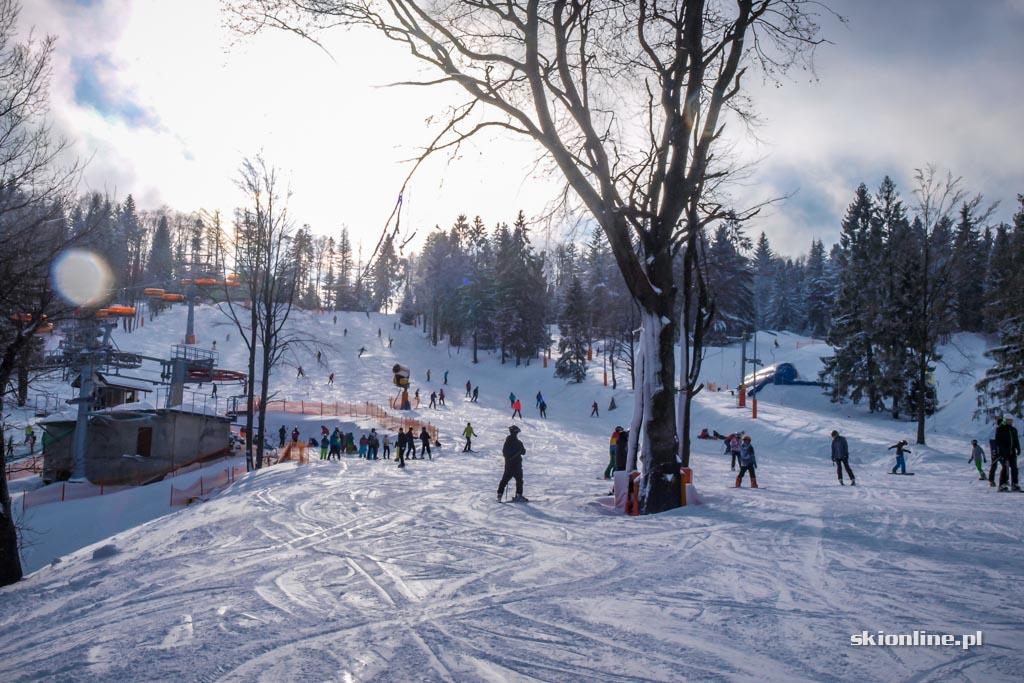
x: 401, y: 374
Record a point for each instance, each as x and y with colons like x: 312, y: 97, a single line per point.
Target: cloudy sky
x: 165, y: 102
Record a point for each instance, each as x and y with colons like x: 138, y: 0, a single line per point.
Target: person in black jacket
x: 1008, y: 443
x: 513, y: 452
x: 841, y: 457
x: 425, y: 441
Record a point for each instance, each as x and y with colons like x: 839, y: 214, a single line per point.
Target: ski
x: 903, y: 474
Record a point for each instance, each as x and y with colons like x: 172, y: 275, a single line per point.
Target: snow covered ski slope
x: 360, y: 571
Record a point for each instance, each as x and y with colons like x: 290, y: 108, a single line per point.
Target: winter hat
x: 618, y: 429
x: 746, y: 438
x: 513, y: 429
x: 835, y: 433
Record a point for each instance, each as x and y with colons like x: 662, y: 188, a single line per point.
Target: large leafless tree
x: 629, y: 100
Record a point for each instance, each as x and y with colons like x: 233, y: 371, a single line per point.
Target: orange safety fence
x: 339, y: 409
x: 206, y: 484
x: 66, y: 491
x: 26, y: 467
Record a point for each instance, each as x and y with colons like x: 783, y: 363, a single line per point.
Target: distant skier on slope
x: 513, y: 452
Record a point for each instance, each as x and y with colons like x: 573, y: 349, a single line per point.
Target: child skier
x: 978, y: 456
x: 901, y: 463
x: 748, y: 463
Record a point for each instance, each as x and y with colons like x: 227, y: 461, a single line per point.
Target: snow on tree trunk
x: 659, y: 489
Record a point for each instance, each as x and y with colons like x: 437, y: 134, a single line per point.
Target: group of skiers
x: 332, y: 444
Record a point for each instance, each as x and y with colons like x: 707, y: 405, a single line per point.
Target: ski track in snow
x: 358, y: 571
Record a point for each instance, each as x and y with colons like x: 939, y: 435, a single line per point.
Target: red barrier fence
x: 25, y: 467
x: 338, y: 409
x: 206, y: 484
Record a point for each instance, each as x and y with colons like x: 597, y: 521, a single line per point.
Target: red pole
x: 753, y: 407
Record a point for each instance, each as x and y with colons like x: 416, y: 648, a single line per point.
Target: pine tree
x: 160, y: 266
x: 817, y: 291
x: 731, y: 282
x: 763, y: 265
x: 573, y: 324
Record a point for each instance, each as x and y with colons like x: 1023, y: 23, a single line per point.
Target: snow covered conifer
x: 574, y: 325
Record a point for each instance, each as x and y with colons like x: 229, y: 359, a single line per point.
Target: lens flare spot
x: 82, y: 277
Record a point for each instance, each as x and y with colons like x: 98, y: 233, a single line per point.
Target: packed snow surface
x: 360, y: 571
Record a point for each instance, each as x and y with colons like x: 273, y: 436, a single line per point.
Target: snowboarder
x: 469, y: 434
x: 440, y: 398
x: 281, y: 434
x: 330, y: 379
x: 841, y: 457
x: 978, y: 457
x: 901, y: 462
x: 387, y: 447
x: 543, y: 409
x: 513, y: 452
x: 1008, y: 443
x: 300, y: 373
x: 611, y: 453
x: 433, y: 399
x: 476, y: 394
x: 425, y: 443
x: 362, y: 350
x: 593, y: 410
x: 517, y: 409
x: 748, y: 463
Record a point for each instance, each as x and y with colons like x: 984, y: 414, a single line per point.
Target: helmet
x: 618, y: 428
x: 746, y: 438
x: 513, y: 429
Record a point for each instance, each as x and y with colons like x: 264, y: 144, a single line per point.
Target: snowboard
x: 903, y: 474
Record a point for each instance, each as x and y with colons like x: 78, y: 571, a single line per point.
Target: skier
x: 335, y: 320
x: 511, y: 400
x: 295, y: 435
x: 372, y: 444
x: 841, y: 457
x: 611, y: 453
x: 400, y: 448
x: 476, y: 394
x: 445, y: 382
x: 433, y: 399
x: 1009, y: 448
x: 468, y: 387
x: 362, y: 350
x: 213, y: 391
x: 425, y: 443
x: 540, y: 399
x: 440, y: 398
x: 330, y: 379
x: 281, y: 433
x: 734, y: 444
x: 901, y: 463
x: 543, y: 409
x: 517, y: 409
x: 318, y: 354
x: 993, y: 449
x: 387, y: 447
x: 978, y: 457
x: 513, y: 452
x: 748, y: 463
x: 428, y: 375
x: 325, y: 443
x: 300, y: 373
x: 593, y: 410
x: 363, y: 445
x: 469, y: 434
x: 213, y: 346
x: 337, y: 440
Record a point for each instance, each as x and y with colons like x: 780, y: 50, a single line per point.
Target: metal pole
x: 80, y: 443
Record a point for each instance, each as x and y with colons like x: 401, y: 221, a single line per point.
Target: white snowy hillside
x: 360, y: 571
